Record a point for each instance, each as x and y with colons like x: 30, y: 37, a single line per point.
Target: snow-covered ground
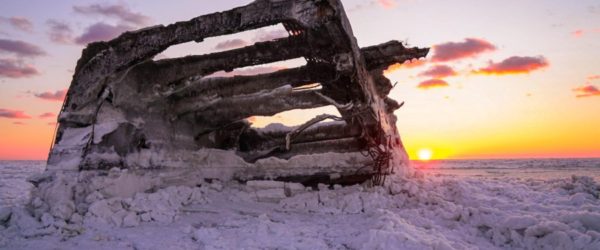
x: 427, y: 211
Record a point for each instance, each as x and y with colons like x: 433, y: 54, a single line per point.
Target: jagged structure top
x: 124, y: 109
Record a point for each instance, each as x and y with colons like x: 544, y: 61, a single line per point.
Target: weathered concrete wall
x: 125, y: 110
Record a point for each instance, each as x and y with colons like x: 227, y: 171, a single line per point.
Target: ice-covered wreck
x: 165, y: 118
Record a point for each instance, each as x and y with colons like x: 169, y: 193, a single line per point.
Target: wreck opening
x: 290, y: 118
x: 261, y: 68
x: 226, y: 42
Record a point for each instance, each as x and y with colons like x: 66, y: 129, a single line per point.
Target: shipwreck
x: 168, y: 121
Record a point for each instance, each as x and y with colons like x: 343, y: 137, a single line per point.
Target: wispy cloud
x: 593, y: 77
x: 19, y: 23
x: 231, y: 44
x: 101, y: 32
x: 118, y: 11
x: 262, y: 35
x: 470, y: 47
x: 514, y: 65
x: 13, y: 114
x: 58, y: 95
x: 47, y: 115
x: 438, y: 71
x: 13, y: 68
x: 432, y: 83
x: 20, y: 48
x: 59, y: 32
x: 586, y: 91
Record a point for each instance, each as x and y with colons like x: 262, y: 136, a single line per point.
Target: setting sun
x: 425, y: 154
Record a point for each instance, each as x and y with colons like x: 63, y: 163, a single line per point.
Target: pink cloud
x: 586, y: 91
x: 58, y: 96
x: 514, y: 65
x: 581, y: 32
x: 13, y: 114
x: 47, y: 115
x: 471, y: 47
x: 432, y: 83
x: 59, y: 32
x: 20, y: 48
x: 262, y: 36
x: 439, y: 71
x: 20, y: 23
x: 231, y: 44
x: 16, y: 69
x: 101, y: 32
x: 120, y: 12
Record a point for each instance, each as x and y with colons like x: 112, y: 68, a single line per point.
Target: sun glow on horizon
x: 425, y: 154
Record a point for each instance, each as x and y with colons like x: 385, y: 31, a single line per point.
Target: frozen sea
x: 456, y: 204
x: 14, y: 189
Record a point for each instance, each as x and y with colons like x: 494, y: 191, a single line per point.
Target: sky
x: 504, y: 79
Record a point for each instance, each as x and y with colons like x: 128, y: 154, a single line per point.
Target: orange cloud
x: 593, y: 77
x: 439, y: 71
x: 432, y: 83
x: 587, y: 91
x: 387, y: 4
x: 514, y: 65
x: 581, y: 32
x: 471, y: 47
x: 58, y: 96
x: 13, y: 114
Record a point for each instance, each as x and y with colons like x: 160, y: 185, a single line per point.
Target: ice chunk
x: 270, y: 195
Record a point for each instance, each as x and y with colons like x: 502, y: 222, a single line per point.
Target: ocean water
x: 14, y: 188
x: 539, y: 169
